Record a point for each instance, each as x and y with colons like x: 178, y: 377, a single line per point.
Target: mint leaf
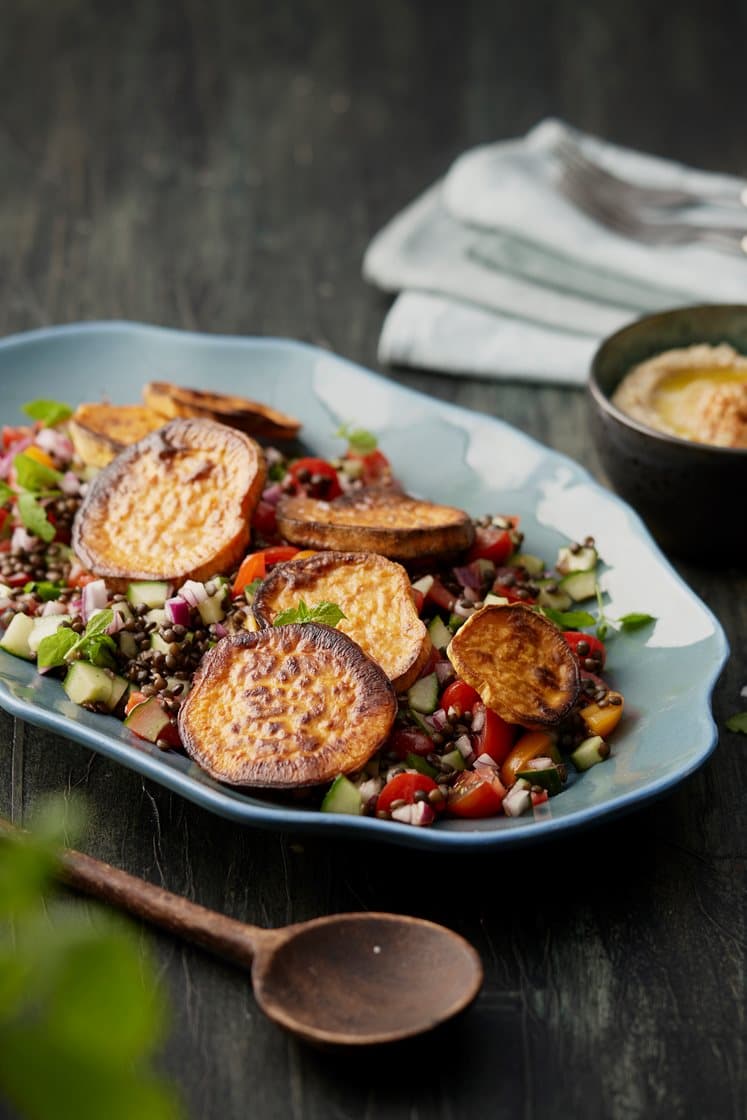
x: 359, y: 439
x: 6, y: 494
x: 569, y: 620
x: 252, y: 588
x: 635, y: 621
x: 33, y: 518
x: 738, y: 722
x: 100, y: 650
x: 48, y: 412
x: 329, y: 614
x: 54, y: 648
x: 46, y: 590
x: 34, y: 476
x: 276, y: 472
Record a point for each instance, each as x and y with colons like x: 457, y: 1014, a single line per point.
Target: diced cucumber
x: 211, y: 610
x: 590, y: 752
x: 148, y: 720
x: 422, y: 724
x: 547, y: 776
x: 45, y: 626
x: 579, y: 585
x: 151, y: 593
x: 5, y: 590
x: 531, y: 564
x: 157, y: 615
x: 454, y: 760
x: 343, y: 797
x: 582, y: 560
x: 554, y: 597
x: 492, y: 600
x: 423, y: 585
x: 89, y: 684
x: 439, y: 632
x: 417, y: 762
x: 127, y: 645
x: 15, y: 640
x: 159, y: 644
x: 120, y: 607
x: 423, y: 695
x: 455, y: 621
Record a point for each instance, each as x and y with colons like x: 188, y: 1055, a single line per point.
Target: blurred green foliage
x: 80, y: 1010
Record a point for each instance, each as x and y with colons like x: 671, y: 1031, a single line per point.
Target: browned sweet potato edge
x: 254, y: 418
x: 377, y: 705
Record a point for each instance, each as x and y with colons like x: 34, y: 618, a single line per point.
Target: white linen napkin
x: 503, y: 277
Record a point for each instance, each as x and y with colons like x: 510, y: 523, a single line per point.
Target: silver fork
x: 624, y: 219
x: 572, y: 158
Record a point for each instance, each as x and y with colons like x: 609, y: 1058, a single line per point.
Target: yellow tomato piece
x: 40, y: 456
x: 533, y: 744
x: 603, y: 721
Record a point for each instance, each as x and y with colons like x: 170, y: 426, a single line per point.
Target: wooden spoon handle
x: 235, y: 941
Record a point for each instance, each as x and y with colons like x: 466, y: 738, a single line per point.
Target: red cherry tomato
x: 133, y: 700
x: 460, y: 696
x: 418, y: 598
x: 491, y: 544
x: 170, y: 735
x: 539, y: 797
x: 403, y: 787
x: 408, y: 740
x: 265, y: 520
x: 596, y: 650
x: 304, y: 470
x: 376, y: 466
x: 255, y: 565
x: 441, y: 597
x: 13, y: 435
x: 5, y: 526
x: 508, y: 591
x: 20, y: 579
x: 474, y: 796
x: 496, y: 737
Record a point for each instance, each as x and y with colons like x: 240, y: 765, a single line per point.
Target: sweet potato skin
x: 520, y: 664
x: 374, y: 594
x: 382, y: 520
x: 248, y: 416
x: 286, y: 707
x: 176, y: 505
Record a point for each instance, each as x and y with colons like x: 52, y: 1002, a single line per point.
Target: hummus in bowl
x: 697, y: 393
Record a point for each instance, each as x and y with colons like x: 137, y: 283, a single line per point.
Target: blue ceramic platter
x: 667, y: 673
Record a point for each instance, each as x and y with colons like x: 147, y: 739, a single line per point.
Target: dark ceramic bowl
x: 693, y: 497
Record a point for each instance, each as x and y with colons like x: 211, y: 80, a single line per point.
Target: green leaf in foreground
x: 359, y: 440
x: 44, y: 589
x: 54, y: 648
x: 635, y: 621
x: 6, y: 493
x: 48, y: 412
x: 34, y: 476
x: 329, y: 614
x: 34, y: 518
x: 569, y: 620
x: 738, y: 722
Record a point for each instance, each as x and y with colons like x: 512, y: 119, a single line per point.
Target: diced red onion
x: 469, y: 575
x: 461, y: 611
x: 220, y: 630
x: 116, y: 624
x: 472, y: 595
x: 4, y: 603
x: 464, y: 745
x: 55, y: 443
x: 444, y: 671
x: 486, y: 764
x: 70, y: 484
x: 439, y: 717
x: 54, y: 606
x: 272, y: 494
x: 193, y: 592
x: 419, y: 813
x: 478, y: 718
x: 6, y: 462
x: 94, y: 598
x: 178, y: 610
x: 21, y: 541
x: 76, y: 605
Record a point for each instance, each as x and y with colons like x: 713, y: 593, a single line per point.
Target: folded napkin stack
x: 501, y: 276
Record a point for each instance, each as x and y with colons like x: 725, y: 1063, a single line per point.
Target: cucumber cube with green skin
x: 548, y: 778
x: 148, y: 593
x: 343, y: 797
x: 454, y: 760
x: 531, y: 564
x: 90, y: 684
x: 582, y: 560
x: 423, y: 695
x: 15, y: 640
x: 579, y: 585
x: 127, y: 644
x: 211, y: 610
x: 148, y: 720
x: 439, y: 632
x: 159, y: 644
x: 416, y: 762
x: 592, y: 751
x: 557, y: 600
x: 44, y: 627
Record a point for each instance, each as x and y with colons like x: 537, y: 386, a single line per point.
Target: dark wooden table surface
x: 222, y: 167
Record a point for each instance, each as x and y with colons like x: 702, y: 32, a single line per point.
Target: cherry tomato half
x: 440, y: 596
x: 408, y: 740
x: 596, y: 650
x: 491, y: 544
x: 304, y: 471
x: 376, y: 466
x: 460, y: 696
x: 265, y: 519
x: 403, y: 787
x: 496, y: 737
x: 133, y: 700
x: 255, y: 565
x: 474, y: 796
x: 13, y: 435
x: 511, y: 593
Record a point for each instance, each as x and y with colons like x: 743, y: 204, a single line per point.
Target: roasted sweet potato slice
x: 100, y: 431
x: 374, y: 594
x: 376, y: 520
x: 286, y: 706
x: 519, y: 662
x: 252, y: 417
x: 175, y: 505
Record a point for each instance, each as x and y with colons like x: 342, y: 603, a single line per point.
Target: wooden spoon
x: 344, y: 980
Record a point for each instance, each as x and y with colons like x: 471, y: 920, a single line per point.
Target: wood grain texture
x: 222, y: 167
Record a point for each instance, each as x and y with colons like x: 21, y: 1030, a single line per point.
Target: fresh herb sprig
x: 360, y: 440
x: 47, y: 412
x: 329, y: 614
x: 93, y: 645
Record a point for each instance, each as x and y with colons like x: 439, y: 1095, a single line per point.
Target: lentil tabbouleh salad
x: 385, y: 656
